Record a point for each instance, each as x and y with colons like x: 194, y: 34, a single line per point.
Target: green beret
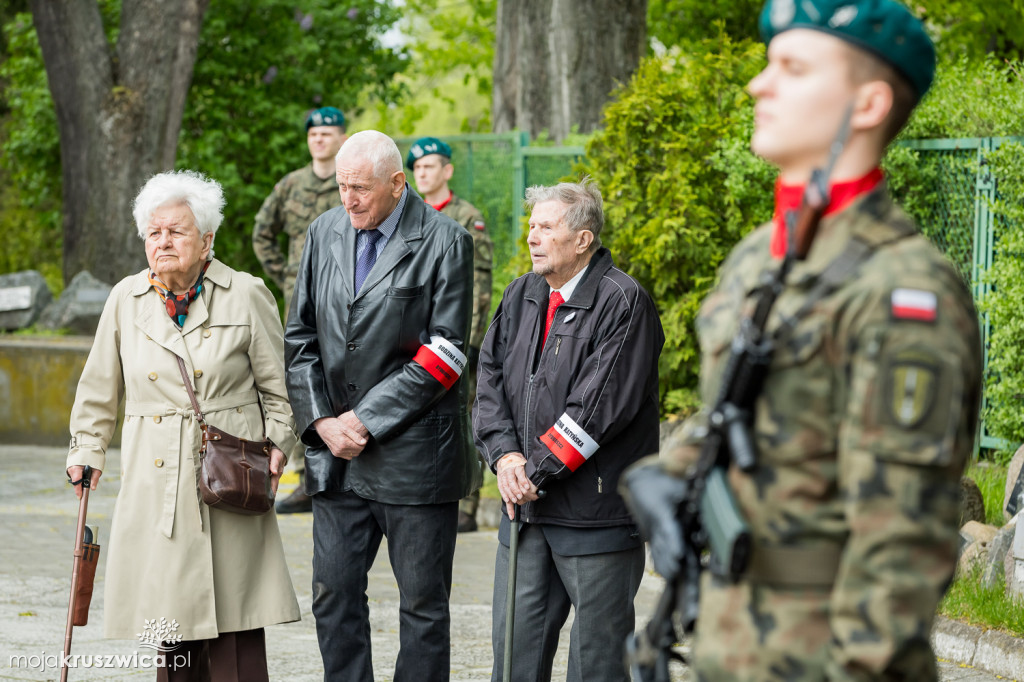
x: 885, y: 28
x: 426, y: 146
x: 325, y: 116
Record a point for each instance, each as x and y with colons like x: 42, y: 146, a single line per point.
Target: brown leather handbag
x: 234, y: 473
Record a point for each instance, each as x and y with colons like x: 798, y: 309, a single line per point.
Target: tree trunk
x: 557, y: 61
x: 119, y: 113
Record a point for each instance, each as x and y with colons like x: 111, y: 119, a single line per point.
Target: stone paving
x: 37, y: 518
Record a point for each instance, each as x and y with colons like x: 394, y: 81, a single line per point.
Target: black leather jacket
x: 346, y: 352
x: 594, y: 385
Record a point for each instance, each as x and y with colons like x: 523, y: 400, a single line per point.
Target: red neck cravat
x: 553, y: 303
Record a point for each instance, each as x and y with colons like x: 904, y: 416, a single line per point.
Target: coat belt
x: 172, y: 458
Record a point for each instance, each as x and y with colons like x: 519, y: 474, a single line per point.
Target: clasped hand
x: 513, y: 484
x: 345, y: 435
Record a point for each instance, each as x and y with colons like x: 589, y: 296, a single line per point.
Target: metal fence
x: 952, y: 203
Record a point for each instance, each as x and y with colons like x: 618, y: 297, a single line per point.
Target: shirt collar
x: 387, y: 228
x: 569, y: 286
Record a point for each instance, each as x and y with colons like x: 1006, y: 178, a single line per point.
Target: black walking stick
x: 510, y: 595
x: 83, y: 571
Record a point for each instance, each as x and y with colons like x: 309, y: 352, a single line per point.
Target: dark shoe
x: 467, y: 524
x: 296, y: 503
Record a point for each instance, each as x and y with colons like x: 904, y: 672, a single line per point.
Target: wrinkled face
x: 324, y: 142
x: 367, y: 199
x: 801, y: 96
x: 554, y: 249
x: 431, y: 173
x: 174, y: 247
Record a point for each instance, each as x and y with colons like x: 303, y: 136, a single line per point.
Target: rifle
x: 709, y: 516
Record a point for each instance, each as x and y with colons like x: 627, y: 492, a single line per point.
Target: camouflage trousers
x: 758, y: 633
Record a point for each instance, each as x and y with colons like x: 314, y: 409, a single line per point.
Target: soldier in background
x: 295, y: 202
x: 430, y: 161
x: 869, y: 410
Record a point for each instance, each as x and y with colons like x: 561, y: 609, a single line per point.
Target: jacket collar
x: 154, y: 321
x: 410, y: 229
x: 586, y: 291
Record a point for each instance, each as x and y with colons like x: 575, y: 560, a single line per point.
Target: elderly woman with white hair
x: 217, y: 577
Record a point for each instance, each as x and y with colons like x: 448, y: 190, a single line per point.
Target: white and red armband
x: 569, y: 443
x: 442, y: 360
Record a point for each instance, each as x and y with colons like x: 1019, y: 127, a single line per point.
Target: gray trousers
x: 599, y: 587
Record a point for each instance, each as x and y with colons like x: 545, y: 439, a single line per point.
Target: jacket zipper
x: 558, y: 342
x: 526, y: 437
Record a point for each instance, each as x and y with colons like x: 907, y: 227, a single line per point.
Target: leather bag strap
x: 191, y: 392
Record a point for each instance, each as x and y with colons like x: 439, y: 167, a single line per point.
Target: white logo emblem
x: 782, y: 13
x: 158, y: 633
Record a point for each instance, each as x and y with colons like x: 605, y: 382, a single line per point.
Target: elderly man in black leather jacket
x: 375, y: 348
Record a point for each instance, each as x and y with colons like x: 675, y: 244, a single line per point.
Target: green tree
x: 448, y: 80
x: 976, y: 27
x: 261, y: 64
x: 675, y: 22
x: 680, y: 184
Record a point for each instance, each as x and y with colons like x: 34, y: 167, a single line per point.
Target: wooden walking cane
x: 77, y: 581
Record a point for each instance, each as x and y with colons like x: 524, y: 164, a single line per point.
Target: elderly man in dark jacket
x: 375, y: 348
x: 567, y: 398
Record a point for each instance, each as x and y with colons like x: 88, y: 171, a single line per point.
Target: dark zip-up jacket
x: 582, y: 408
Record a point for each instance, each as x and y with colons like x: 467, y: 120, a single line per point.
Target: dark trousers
x: 347, y: 531
x: 599, y: 587
x: 231, y: 657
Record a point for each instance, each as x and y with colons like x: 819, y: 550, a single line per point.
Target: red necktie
x: 553, y: 303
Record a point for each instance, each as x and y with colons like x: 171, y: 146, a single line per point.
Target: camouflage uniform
x: 294, y: 203
x: 467, y: 215
x: 865, y: 423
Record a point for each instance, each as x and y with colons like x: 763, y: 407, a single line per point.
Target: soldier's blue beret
x: 325, y: 116
x: 885, y: 28
x: 426, y: 146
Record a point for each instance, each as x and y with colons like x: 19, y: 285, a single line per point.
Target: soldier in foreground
x: 295, y: 202
x: 430, y: 161
x: 868, y: 400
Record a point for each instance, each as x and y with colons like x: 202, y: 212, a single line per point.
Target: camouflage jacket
x: 294, y: 203
x: 866, y: 420
x: 467, y: 215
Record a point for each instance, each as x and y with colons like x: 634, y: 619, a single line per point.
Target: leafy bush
x: 681, y: 186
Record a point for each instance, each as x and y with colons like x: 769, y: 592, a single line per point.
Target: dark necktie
x: 553, y: 303
x: 367, y: 258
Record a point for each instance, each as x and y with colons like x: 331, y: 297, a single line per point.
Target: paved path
x: 37, y: 518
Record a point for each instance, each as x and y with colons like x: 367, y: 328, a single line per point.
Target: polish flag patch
x: 479, y: 224
x: 914, y: 304
x: 569, y: 442
x: 442, y: 359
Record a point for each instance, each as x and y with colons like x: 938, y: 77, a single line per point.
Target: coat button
x: 157, y: 419
x: 348, y: 306
x: 351, y: 346
x: 198, y: 373
x: 158, y: 462
x: 152, y: 376
x: 206, y: 333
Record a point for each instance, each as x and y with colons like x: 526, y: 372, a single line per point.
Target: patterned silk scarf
x: 177, y: 304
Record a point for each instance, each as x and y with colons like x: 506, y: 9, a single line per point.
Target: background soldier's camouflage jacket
x: 865, y: 423
x: 467, y: 215
x: 296, y: 201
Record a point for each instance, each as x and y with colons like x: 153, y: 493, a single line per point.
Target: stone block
x: 79, y: 306
x: 1001, y: 654
x: 998, y: 549
x: 23, y: 296
x: 1012, y: 472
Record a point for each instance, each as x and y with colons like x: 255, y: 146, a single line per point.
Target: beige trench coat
x: 169, y: 555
